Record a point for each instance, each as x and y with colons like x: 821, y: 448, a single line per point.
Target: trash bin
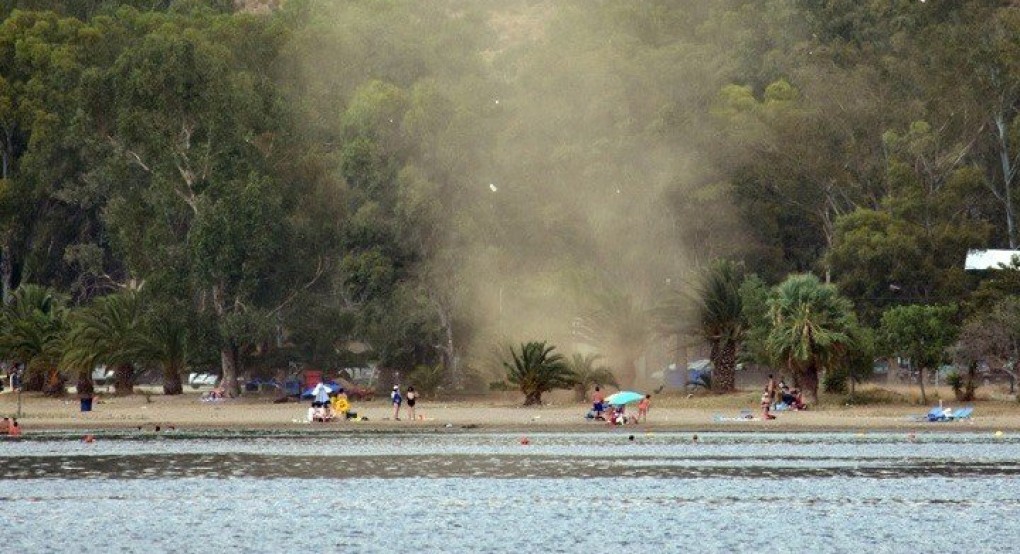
x: 86, y: 404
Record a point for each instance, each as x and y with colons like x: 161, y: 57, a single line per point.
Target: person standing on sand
x: 411, y: 398
x: 766, y: 403
x: 770, y: 389
x: 642, y: 408
x: 397, y: 401
x: 597, y: 403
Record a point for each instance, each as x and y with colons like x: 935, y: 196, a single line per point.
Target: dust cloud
x: 569, y: 157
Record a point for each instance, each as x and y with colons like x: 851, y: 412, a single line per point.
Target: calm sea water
x: 454, y: 492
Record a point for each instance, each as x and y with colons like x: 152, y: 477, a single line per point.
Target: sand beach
x: 495, y: 413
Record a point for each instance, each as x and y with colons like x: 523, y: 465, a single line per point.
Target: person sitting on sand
x: 5, y: 425
x: 341, y: 406
x: 797, y: 400
x: 14, y: 430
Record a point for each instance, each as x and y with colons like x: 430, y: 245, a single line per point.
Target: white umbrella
x: 321, y: 393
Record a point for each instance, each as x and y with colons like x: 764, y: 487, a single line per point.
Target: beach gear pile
x: 329, y: 403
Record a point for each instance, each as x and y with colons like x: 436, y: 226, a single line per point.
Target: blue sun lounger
x: 935, y: 414
x: 963, y: 413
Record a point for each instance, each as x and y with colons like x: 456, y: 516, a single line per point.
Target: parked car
x: 102, y: 376
x: 196, y: 380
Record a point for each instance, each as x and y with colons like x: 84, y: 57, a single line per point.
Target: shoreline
x: 489, y: 415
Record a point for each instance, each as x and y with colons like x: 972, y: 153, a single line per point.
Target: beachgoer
x: 798, y: 400
x: 770, y: 388
x: 598, y: 406
x: 611, y: 416
x: 411, y: 398
x: 766, y: 402
x: 15, y: 429
x: 5, y: 425
x: 341, y: 406
x: 642, y: 408
x: 397, y: 401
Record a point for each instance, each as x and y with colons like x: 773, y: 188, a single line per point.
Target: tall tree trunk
x: 724, y: 374
x: 809, y: 383
x: 447, y: 351
x: 6, y: 268
x: 533, y: 399
x: 627, y: 373
x: 56, y: 383
x: 891, y: 377
x: 681, y: 358
x: 228, y: 364
x: 1008, y: 173
x: 123, y: 379
x: 172, y: 380
x: 86, y: 387
x: 920, y: 380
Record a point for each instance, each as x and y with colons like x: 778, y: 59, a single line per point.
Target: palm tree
x: 587, y: 375
x: 33, y: 325
x: 811, y: 326
x: 719, y: 320
x: 110, y: 332
x: 535, y: 369
x: 167, y: 346
x: 622, y: 329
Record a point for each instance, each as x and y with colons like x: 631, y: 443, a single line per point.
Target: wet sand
x: 495, y: 413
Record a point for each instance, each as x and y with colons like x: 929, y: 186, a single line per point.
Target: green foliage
x: 587, y: 374
x: 811, y: 329
x: 535, y: 369
x: 922, y: 333
x: 427, y: 379
x: 34, y: 325
x: 721, y: 321
x: 317, y: 175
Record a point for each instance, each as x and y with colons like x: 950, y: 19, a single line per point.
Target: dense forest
x: 258, y: 185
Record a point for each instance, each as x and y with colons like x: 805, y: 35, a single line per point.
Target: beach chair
x: 963, y: 413
x: 935, y: 414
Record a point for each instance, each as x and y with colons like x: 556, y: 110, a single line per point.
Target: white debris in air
x: 493, y: 187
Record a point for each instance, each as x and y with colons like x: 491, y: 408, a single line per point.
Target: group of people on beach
x: 329, y: 406
x: 9, y: 427
x: 788, y: 399
x: 617, y: 414
x: 398, y: 400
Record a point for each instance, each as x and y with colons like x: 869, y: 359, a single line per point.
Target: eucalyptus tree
x: 811, y: 327
x: 194, y: 126
x: 923, y: 333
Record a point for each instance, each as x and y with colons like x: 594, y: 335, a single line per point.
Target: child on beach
x: 642, y: 408
x: 397, y: 401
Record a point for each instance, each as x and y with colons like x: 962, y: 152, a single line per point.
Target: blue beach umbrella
x: 624, y: 397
